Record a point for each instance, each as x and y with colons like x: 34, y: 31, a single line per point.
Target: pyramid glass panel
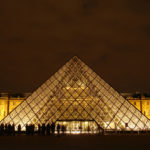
x: 75, y: 96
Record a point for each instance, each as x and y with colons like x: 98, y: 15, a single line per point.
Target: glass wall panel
x: 75, y: 92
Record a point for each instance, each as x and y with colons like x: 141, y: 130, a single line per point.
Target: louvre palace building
x: 75, y: 96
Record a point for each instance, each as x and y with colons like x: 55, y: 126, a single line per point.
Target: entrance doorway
x: 79, y: 127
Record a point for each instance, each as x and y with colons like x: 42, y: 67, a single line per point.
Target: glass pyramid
x: 76, y: 92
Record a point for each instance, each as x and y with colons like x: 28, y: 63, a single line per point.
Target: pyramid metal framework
x: 76, y: 92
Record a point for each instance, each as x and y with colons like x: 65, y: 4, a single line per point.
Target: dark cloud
x: 88, y: 4
x: 146, y: 31
x: 139, y: 6
x: 38, y: 37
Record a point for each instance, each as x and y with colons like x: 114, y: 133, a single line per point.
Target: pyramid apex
x: 75, y: 58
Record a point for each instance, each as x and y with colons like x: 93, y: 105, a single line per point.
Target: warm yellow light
x: 75, y: 132
x: 86, y: 123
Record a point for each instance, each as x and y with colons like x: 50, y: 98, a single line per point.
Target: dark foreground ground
x: 75, y: 142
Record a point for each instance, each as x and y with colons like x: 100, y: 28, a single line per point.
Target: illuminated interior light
x: 83, y: 107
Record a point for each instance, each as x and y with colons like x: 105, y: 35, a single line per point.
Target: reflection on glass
x: 79, y: 97
x: 76, y: 127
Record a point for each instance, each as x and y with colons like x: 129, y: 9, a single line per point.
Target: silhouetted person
x: 39, y: 129
x: 48, y: 129
x: 6, y: 129
x: 53, y: 128
x: 19, y: 129
x: 58, y: 129
x: 27, y: 129
x: 63, y: 129
x: 43, y: 129
x: 103, y: 132
x: 9, y: 129
x: 99, y: 128
x: 13, y: 129
x: 32, y: 129
x: 80, y: 127
x: 89, y: 129
x: 2, y: 129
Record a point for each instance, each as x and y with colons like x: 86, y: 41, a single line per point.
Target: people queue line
x: 8, y: 129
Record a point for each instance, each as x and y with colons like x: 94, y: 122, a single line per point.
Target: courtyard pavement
x: 75, y: 142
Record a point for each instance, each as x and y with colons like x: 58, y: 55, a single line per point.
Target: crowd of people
x: 50, y: 129
x: 8, y: 129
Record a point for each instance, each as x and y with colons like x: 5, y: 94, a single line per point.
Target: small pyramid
x: 76, y: 92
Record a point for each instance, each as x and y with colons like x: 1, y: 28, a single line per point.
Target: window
x: 14, y: 103
x: 149, y: 112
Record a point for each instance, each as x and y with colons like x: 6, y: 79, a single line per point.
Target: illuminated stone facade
x: 77, y: 96
x: 142, y: 104
x: 7, y: 104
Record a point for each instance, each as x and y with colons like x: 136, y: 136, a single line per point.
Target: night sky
x: 37, y: 37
